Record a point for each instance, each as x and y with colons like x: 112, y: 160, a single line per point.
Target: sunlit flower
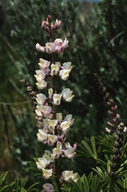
x: 46, y: 110
x: 57, y: 99
x: 67, y: 95
x: 55, y: 68
x: 40, y: 98
x: 39, y: 75
x: 64, y: 74
x: 57, y: 151
x: 69, y: 118
x: 41, y: 163
x: 70, y: 152
x: 52, y: 124
x: 47, y: 173
x: 67, y: 66
x: 42, y: 135
x: 52, y: 139
x: 50, y: 47
x: 75, y: 177
x: 43, y: 64
x: 41, y: 84
x: 66, y: 175
x: 65, y: 125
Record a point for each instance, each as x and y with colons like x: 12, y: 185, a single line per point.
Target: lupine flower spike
x: 53, y: 127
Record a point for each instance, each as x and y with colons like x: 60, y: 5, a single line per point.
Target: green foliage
x: 16, y: 186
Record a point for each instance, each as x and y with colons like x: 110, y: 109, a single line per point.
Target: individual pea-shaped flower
x: 47, y: 173
x: 39, y: 75
x: 67, y: 95
x: 41, y: 163
x: 69, y: 118
x: 48, y: 187
x: 52, y: 139
x: 41, y: 84
x: 65, y: 125
x: 43, y: 64
x: 66, y: 69
x: 66, y: 175
x: 70, y: 152
x: 55, y: 68
x: 75, y: 177
x: 42, y: 110
x: 40, y: 98
x: 42, y: 135
x: 52, y: 124
x: 64, y: 74
x: 57, y: 151
x: 57, y: 99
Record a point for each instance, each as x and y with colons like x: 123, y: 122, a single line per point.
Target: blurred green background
x: 97, y: 34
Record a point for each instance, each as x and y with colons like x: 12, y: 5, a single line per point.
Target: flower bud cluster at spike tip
x: 48, y: 26
x: 52, y: 126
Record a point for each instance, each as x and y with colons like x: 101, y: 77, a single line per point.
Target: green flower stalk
x: 53, y: 127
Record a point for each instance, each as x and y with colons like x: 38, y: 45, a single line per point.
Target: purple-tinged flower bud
x: 117, y: 116
x: 110, y: 124
x: 40, y: 48
x: 107, y: 130
x: 75, y: 146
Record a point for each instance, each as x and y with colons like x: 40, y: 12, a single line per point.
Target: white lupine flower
x: 59, y: 116
x: 40, y: 98
x: 70, y: 152
x: 50, y: 92
x: 52, y: 124
x: 47, y: 158
x: 67, y: 95
x: 67, y: 65
x: 41, y: 84
x: 38, y: 111
x: 43, y: 64
x: 39, y: 75
x: 50, y: 47
x: 55, y: 68
x: 69, y: 118
x: 42, y: 135
x: 75, y: 177
x: 65, y: 125
x: 57, y: 99
x: 41, y: 163
x: 46, y: 110
x: 47, y: 173
x: 52, y: 139
x: 66, y: 175
x: 64, y: 74
x: 57, y: 151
